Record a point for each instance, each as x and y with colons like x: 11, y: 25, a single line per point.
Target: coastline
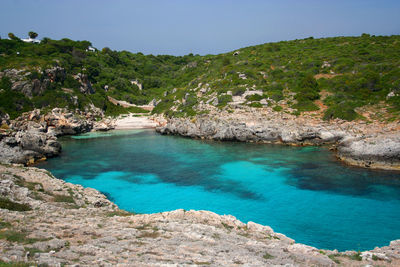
x: 373, y: 145
x: 33, y: 136
x: 284, y: 250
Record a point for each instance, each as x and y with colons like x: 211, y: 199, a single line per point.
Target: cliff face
x: 371, y: 145
x: 47, y: 221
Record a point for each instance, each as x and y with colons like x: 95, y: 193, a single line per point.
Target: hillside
x: 342, y: 77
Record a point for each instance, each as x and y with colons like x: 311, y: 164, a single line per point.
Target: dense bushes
x: 358, y: 71
x: 223, y: 100
x: 11, y: 102
x: 343, y: 111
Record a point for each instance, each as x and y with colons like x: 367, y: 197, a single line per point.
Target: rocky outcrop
x: 50, y: 222
x: 86, y: 86
x: 33, y: 136
x: 381, y: 152
x: 21, y: 81
x: 360, y: 144
x: 28, y: 146
x: 273, y: 132
x: 58, y: 122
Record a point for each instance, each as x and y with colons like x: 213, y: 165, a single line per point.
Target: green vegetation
x: 19, y: 237
x: 119, y: 213
x: 268, y: 256
x: 4, y: 224
x: 307, y: 92
x: 342, y: 111
x: 356, y: 256
x: 226, y: 226
x: 5, y: 203
x: 63, y: 198
x: 345, y: 73
x: 32, y: 35
x: 333, y: 258
x: 15, y: 264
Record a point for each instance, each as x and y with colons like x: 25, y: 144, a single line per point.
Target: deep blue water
x: 302, y: 192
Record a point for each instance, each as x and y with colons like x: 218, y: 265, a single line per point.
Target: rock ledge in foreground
x: 61, y: 223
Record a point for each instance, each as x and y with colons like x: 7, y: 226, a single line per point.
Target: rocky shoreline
x: 64, y: 224
x: 33, y: 136
x: 44, y: 220
x: 371, y: 145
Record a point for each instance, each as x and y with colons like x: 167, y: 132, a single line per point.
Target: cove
x: 302, y: 192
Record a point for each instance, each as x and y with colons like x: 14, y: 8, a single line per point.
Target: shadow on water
x: 336, y: 177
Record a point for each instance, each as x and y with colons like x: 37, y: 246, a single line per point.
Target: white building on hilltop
x: 30, y: 40
x: 91, y: 49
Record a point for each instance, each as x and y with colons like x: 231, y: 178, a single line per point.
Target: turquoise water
x: 303, y: 193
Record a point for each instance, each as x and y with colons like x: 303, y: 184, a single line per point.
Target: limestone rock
x: 84, y: 232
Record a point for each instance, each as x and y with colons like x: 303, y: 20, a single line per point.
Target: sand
x: 133, y: 121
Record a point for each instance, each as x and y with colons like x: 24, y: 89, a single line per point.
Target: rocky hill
x: 45, y: 221
x: 342, y: 91
x: 351, y: 78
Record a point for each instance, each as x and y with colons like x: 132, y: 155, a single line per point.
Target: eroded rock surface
x: 68, y: 224
x: 367, y: 145
x: 33, y: 136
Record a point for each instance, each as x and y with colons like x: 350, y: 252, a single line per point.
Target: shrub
x: 268, y: 256
x: 255, y: 97
x: 305, y: 105
x: 307, y: 89
x: 238, y: 91
x: 4, y: 127
x: 64, y: 198
x: 5, y: 203
x: 226, y: 61
x: 223, y: 100
x: 344, y: 112
x: 256, y: 105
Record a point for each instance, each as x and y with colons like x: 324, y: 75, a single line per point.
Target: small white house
x: 91, y: 49
x: 30, y: 40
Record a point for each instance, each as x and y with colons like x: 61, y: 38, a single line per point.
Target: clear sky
x: 180, y: 27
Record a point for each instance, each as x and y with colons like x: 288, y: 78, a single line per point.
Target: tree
x: 32, y: 35
x: 12, y: 36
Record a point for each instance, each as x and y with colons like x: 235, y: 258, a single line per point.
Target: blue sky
x: 180, y: 27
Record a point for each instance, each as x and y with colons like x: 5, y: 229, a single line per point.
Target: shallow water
x: 303, y: 193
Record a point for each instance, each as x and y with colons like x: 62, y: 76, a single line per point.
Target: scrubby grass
x: 333, y: 258
x: 355, y: 256
x: 6, y: 203
x: 63, y: 198
x: 256, y: 105
x: 4, y: 224
x: 15, y: 264
x: 277, y: 108
x: 268, y: 256
x: 153, y: 234
x: 119, y: 213
x: 18, y: 237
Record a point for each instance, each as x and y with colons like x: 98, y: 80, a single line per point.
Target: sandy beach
x: 133, y: 121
